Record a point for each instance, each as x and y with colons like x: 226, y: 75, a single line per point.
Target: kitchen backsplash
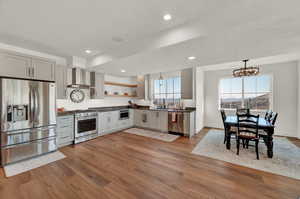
x: 69, y: 105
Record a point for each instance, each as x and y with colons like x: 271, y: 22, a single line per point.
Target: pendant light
x: 246, y: 71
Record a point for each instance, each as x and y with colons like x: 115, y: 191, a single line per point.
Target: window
x: 168, y: 90
x: 251, y: 92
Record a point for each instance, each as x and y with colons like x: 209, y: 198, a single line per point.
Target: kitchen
x: 75, y: 86
x: 149, y: 99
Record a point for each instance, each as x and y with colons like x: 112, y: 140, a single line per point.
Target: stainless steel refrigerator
x: 28, y: 119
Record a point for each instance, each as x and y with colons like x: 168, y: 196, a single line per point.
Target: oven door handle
x: 85, y: 118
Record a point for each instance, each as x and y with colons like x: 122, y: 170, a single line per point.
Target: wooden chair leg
x: 247, y: 144
x: 225, y: 136
x: 238, y: 146
x: 243, y: 140
x: 256, y: 149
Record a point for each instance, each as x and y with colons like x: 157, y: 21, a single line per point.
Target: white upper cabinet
x: 61, y: 81
x: 15, y: 66
x: 187, y: 79
x: 21, y: 66
x: 140, y: 87
x: 43, y: 69
x: 97, y: 85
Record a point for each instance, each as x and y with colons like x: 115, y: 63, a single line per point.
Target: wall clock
x: 77, y: 96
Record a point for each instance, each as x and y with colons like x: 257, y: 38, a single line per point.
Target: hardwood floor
x: 125, y: 166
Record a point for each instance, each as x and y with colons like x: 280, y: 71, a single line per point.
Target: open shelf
x: 110, y: 95
x: 121, y: 84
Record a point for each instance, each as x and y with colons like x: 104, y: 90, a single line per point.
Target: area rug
x: 152, y: 134
x: 286, y: 159
x: 27, y: 165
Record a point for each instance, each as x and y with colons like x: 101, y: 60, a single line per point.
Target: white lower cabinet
x: 156, y: 120
x: 65, y: 130
x: 163, y: 121
x: 110, y: 122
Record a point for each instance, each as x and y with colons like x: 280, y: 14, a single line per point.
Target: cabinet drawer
x: 65, y: 122
x: 64, y: 139
x: 124, y: 123
x: 68, y: 128
x: 65, y: 132
x: 63, y: 119
x: 65, y: 126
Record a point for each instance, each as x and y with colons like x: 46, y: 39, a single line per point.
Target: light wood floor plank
x: 126, y: 166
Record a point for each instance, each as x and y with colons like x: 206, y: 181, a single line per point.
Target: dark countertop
x: 116, y: 108
x: 187, y: 110
x: 93, y: 109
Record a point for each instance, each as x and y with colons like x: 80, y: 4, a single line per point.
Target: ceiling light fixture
x: 191, y: 58
x: 167, y: 17
x: 246, y: 71
x: 123, y: 71
x: 88, y: 51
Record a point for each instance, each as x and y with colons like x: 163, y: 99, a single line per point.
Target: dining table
x: 263, y: 124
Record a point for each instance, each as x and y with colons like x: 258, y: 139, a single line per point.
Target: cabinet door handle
x: 29, y: 72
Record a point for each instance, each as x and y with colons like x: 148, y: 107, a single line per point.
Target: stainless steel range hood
x: 79, y: 78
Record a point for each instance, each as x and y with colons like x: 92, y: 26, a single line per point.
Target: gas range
x: 86, y: 126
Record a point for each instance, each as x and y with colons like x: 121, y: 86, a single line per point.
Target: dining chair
x: 247, y: 131
x: 273, y: 118
x: 243, y: 111
x: 268, y: 115
x: 232, y: 131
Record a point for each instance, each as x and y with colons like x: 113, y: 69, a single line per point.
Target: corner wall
x: 199, y: 85
x: 298, y: 116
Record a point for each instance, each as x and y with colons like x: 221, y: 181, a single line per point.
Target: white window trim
x: 254, y: 110
x: 153, y: 88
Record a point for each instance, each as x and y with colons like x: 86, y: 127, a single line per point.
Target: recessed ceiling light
x: 167, y: 17
x: 88, y: 51
x: 191, y: 57
x: 123, y: 71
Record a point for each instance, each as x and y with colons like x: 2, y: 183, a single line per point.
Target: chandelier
x: 246, y: 71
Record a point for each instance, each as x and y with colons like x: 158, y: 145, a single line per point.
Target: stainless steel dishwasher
x: 176, y: 122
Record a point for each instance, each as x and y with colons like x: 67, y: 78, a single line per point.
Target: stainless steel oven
x: 124, y: 114
x: 86, y: 126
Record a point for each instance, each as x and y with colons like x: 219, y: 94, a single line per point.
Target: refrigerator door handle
x: 36, y: 105
x: 31, y: 104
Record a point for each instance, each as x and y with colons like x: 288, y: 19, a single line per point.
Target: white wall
x: 166, y: 75
x: 298, y: 99
x: 199, y: 91
x: 285, y: 94
x: 107, y: 101
x: 79, y: 62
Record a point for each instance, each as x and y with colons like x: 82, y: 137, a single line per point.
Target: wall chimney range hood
x: 79, y: 78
